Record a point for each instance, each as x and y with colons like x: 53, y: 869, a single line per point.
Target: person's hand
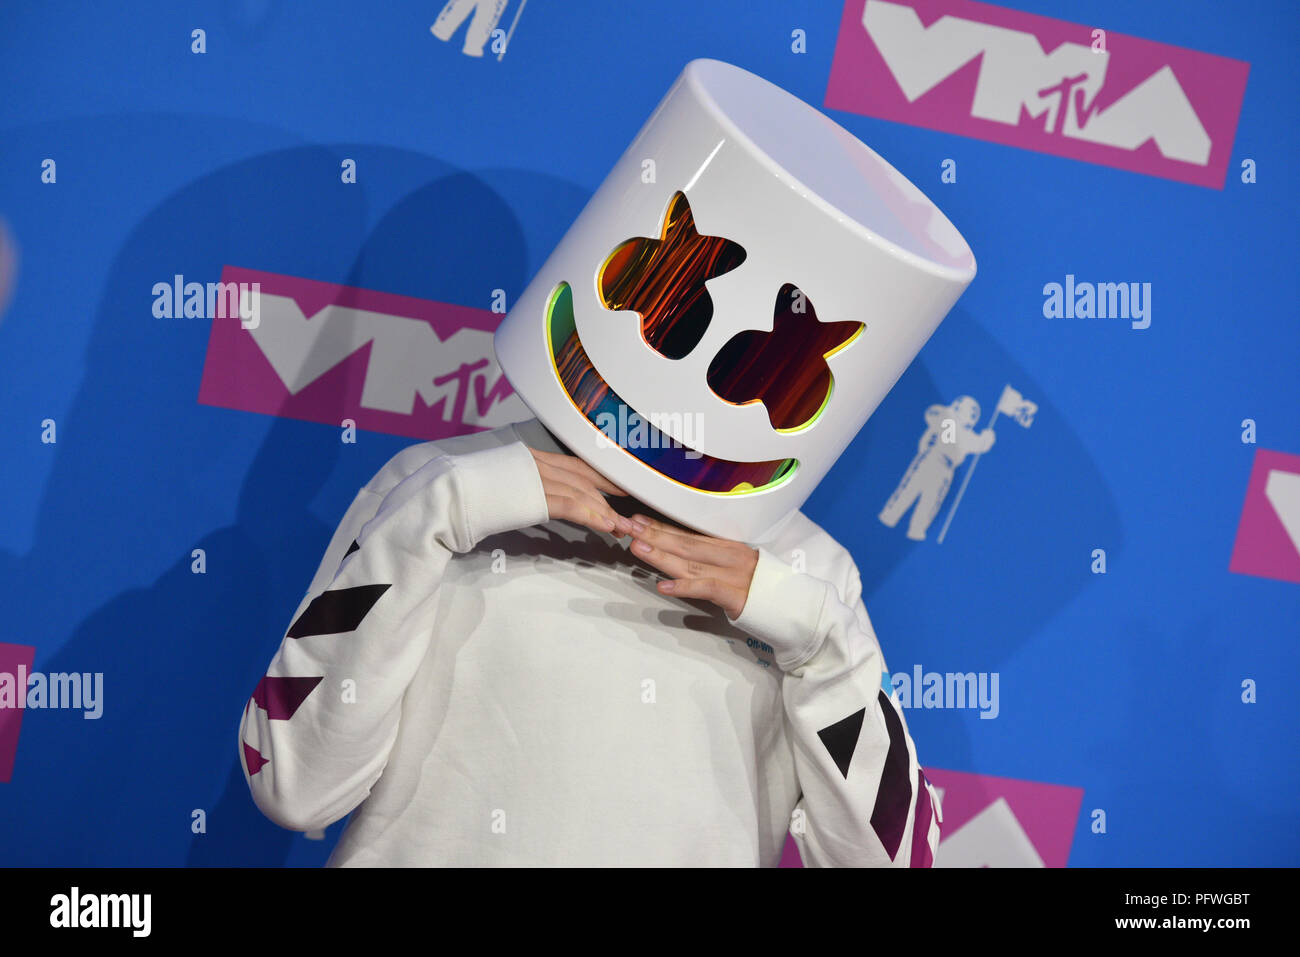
x: 573, y: 492
x: 699, y: 566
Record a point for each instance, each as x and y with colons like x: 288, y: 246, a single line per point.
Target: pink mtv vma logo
x: 14, y: 660
x: 1268, y: 535
x: 312, y: 350
x: 1040, y: 84
x: 997, y: 822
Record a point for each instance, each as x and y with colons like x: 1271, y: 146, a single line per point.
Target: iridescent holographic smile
x: 592, y: 396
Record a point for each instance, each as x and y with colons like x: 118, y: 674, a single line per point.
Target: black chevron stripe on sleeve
x: 337, y: 611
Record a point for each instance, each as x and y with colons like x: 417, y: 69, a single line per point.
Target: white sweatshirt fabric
x: 481, y: 686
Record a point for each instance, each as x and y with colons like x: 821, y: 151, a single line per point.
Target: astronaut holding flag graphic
x: 949, y: 437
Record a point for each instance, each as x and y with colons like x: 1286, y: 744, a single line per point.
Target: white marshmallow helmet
x: 733, y: 303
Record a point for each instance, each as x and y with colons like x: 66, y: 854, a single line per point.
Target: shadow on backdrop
x: 181, y: 656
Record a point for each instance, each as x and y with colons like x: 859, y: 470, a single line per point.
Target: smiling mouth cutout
x: 592, y: 396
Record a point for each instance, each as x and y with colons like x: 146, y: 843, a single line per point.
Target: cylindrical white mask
x: 738, y: 296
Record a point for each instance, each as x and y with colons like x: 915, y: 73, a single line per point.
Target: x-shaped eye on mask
x: 786, y: 368
x: 663, y: 280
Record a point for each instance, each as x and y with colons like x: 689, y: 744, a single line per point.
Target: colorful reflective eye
x: 663, y: 280
x: 786, y: 368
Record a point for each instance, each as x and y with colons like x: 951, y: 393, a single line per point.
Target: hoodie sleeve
x: 317, y: 731
x: 865, y: 802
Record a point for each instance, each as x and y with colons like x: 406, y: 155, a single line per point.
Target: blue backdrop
x: 1126, y: 684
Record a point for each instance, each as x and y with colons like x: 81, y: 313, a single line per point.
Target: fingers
x: 698, y: 566
x: 687, y: 545
x: 679, y: 557
x: 674, y: 566
x: 573, y: 496
x: 576, y: 508
x: 577, y: 468
x: 591, y: 475
x: 731, y: 598
x: 581, y: 504
x: 584, y: 506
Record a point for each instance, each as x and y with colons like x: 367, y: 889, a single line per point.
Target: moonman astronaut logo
x: 481, y: 28
x: 949, y: 437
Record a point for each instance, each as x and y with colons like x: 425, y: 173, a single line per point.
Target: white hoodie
x: 482, y: 686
